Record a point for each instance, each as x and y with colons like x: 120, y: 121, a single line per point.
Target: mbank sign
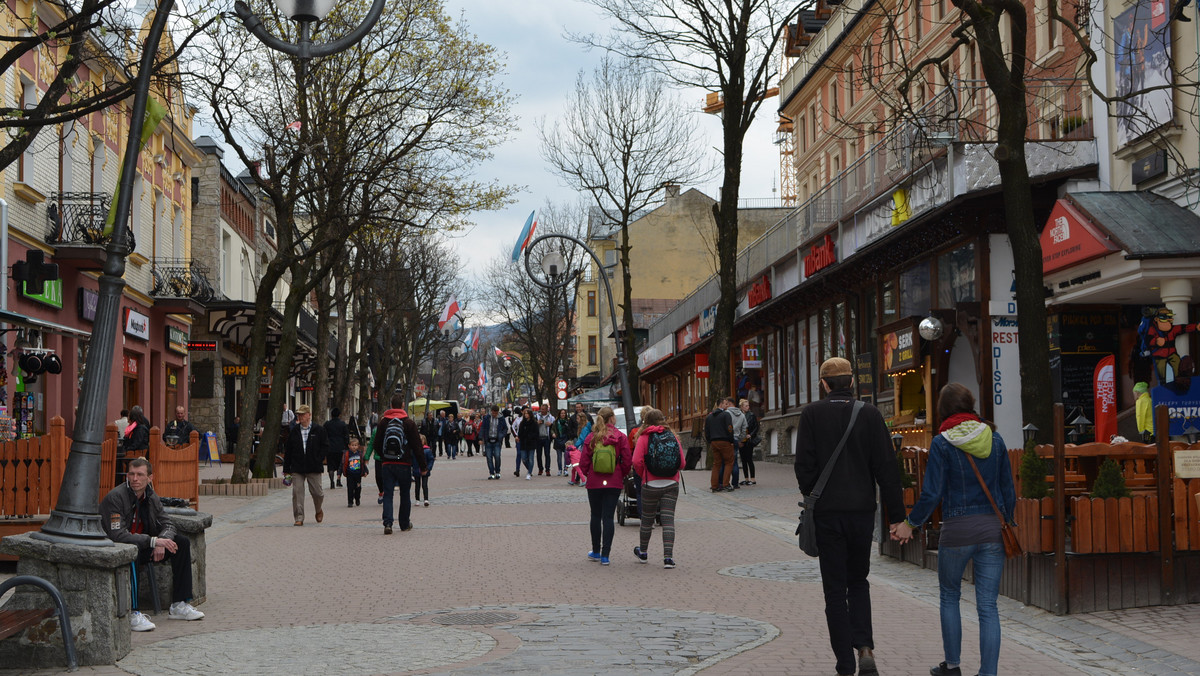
x: 820, y: 257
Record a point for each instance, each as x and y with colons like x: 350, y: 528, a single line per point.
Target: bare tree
x: 725, y: 46
x: 416, y: 109
x: 537, y: 322
x: 620, y: 139
x: 87, y: 55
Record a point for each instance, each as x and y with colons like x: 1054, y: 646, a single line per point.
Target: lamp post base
x: 73, y: 529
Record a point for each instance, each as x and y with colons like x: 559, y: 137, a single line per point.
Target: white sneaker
x: 181, y: 610
x: 426, y: 503
x: 139, y: 622
x: 528, y: 477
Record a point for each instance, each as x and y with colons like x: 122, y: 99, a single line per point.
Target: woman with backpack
x: 657, y: 460
x: 605, y: 460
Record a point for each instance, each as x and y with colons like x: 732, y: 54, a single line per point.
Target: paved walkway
x: 493, y: 580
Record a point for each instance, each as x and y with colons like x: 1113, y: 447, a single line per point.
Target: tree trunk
x: 726, y: 214
x: 289, y: 334
x: 320, y: 379
x: 628, y: 336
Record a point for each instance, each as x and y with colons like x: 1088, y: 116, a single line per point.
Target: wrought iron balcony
x: 181, y: 283
x: 77, y: 218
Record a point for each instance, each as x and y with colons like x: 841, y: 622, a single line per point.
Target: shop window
x: 914, y: 290
x: 956, y: 277
x: 790, y: 350
x: 772, y: 368
x: 887, y: 309
x: 811, y: 352
x: 849, y: 327
x: 827, y: 334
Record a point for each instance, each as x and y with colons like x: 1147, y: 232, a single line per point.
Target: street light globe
x: 553, y: 264
x: 457, y: 351
x: 305, y: 10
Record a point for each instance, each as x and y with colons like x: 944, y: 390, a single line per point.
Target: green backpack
x: 604, y: 459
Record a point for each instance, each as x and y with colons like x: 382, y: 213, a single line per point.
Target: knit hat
x: 1141, y: 387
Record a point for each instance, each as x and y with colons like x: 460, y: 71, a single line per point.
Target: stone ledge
x: 271, y: 482
x: 240, y: 490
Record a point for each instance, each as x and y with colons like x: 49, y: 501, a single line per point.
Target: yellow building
x: 673, y: 249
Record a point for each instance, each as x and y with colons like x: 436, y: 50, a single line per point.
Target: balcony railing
x: 77, y: 218
x: 181, y: 278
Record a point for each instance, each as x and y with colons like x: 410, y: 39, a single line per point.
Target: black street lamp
x: 1030, y: 431
x: 75, y: 519
x: 553, y: 267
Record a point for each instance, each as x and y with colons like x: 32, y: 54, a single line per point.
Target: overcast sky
x: 541, y: 69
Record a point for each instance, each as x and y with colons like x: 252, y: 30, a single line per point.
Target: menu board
x: 898, y: 346
x: 864, y: 375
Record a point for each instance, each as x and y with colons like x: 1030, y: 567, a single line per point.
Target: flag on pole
x: 450, y: 311
x: 499, y: 352
x: 155, y: 112
x: 475, y: 343
x: 467, y: 340
x: 526, y: 236
x: 482, y: 375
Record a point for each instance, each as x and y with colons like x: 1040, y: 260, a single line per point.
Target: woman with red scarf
x: 970, y: 527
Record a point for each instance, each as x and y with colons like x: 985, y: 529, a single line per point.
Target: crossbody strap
x: 983, y: 483
x: 810, y: 500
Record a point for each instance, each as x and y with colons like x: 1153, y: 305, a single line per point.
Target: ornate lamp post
x: 75, y: 519
x: 554, y: 276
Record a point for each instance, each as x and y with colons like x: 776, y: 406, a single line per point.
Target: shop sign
x: 1182, y: 408
x: 52, y: 293
x: 172, y: 378
x: 129, y: 365
x: 1150, y: 166
x: 649, y: 357
x: 708, y: 321
x: 177, y: 340
x: 701, y: 365
x: 137, y: 324
x: 820, y: 257
x: 760, y: 292
x: 1069, y: 239
x: 202, y: 346
x: 899, y: 349
x: 88, y: 300
x: 242, y: 371
x: 1005, y: 387
x: 688, y: 335
x: 750, y: 356
x: 864, y: 374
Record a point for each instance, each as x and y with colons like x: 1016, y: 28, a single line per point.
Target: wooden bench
x: 15, y: 621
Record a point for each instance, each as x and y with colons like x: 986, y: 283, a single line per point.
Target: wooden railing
x: 31, y: 470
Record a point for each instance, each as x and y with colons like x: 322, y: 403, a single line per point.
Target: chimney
x: 672, y: 190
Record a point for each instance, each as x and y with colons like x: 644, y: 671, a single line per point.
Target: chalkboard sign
x: 864, y: 370
x: 1077, y: 386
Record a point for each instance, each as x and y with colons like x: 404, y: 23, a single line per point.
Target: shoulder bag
x: 807, y: 530
x: 1012, y: 545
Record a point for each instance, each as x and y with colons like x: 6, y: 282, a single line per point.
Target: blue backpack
x: 662, y: 455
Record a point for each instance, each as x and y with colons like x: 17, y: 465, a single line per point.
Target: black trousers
x: 844, y: 539
x: 181, y: 569
x: 353, y: 489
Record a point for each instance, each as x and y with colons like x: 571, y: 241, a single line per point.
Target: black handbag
x: 806, y: 532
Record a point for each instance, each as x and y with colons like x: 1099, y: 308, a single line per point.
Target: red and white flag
x: 475, y: 342
x: 450, y: 311
x: 295, y: 126
x: 499, y: 352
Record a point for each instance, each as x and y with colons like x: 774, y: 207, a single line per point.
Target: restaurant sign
x: 898, y: 345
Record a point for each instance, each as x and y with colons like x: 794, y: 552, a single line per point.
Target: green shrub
x: 1110, y: 483
x: 906, y: 480
x: 1033, y: 473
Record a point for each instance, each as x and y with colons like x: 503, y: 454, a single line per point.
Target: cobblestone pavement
x: 494, y: 580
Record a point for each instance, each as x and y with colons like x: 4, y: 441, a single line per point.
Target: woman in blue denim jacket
x: 970, y: 529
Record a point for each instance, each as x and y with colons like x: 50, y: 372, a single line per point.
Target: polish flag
x: 499, y: 352
x: 475, y: 342
x: 450, y: 311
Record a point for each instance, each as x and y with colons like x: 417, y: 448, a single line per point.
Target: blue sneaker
x: 642, y: 556
x: 604, y: 560
x: 593, y: 556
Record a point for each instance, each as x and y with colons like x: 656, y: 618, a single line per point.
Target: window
x: 956, y: 276
x: 67, y: 137
x: 851, y: 84
x: 914, y: 290
x: 918, y: 20
x: 177, y: 233
x: 591, y: 303
x: 226, y: 273
x: 592, y: 359
x: 99, y: 154
x: 27, y: 92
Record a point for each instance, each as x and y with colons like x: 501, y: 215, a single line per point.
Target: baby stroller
x: 628, y: 505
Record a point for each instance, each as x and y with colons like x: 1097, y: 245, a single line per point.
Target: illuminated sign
x: 202, y: 346
x: 760, y: 292
x: 820, y: 257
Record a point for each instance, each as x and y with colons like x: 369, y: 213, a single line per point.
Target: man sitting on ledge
x: 132, y: 513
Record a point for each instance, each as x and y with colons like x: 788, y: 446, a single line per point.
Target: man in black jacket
x: 304, y: 458
x: 845, y: 514
x: 397, y: 472
x: 339, y: 439
x: 132, y: 513
x: 718, y: 431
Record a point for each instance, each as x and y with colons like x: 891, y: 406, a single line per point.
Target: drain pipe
x: 3, y: 257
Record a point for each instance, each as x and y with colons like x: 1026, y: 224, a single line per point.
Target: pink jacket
x: 624, y: 461
x: 639, y: 454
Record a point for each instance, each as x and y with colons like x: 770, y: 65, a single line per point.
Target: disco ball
x: 931, y: 328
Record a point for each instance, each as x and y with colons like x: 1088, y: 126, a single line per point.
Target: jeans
x: 543, y: 453
x: 525, y: 456
x: 603, y: 502
x: 353, y: 489
x: 517, y: 467
x: 397, y: 475
x: 844, y: 539
x: 560, y: 452
x: 451, y: 450
x: 736, y: 450
x: 492, y: 450
x: 989, y: 564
